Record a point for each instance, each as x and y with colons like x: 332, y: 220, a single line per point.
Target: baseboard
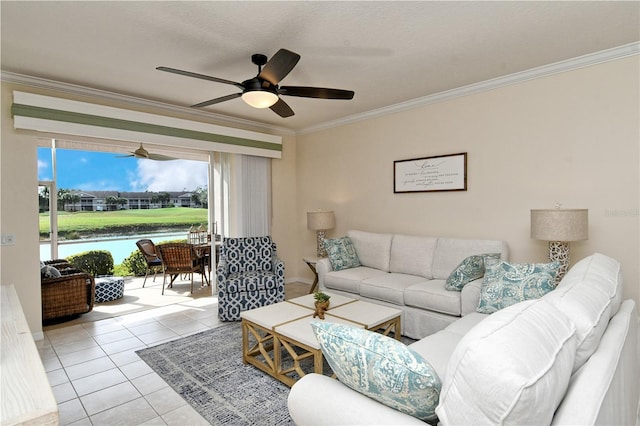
x: 298, y: 280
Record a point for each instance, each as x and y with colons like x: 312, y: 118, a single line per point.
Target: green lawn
x: 125, y: 221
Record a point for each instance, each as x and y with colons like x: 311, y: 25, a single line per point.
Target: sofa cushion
x: 380, y: 367
x: 580, y: 296
x: 349, y: 279
x: 433, y: 296
x: 438, y: 347
x: 248, y: 254
x: 373, y: 249
x: 451, y: 251
x: 511, y: 368
x: 388, y: 287
x: 471, y: 268
x: 506, y: 284
x: 47, y: 271
x: 341, y: 253
x: 412, y: 255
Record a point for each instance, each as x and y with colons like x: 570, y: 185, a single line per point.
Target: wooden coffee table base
x: 279, y: 340
x: 298, y: 352
x: 261, y: 352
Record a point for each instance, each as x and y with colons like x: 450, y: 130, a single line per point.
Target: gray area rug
x: 206, y: 369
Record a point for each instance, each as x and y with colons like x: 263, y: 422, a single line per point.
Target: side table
x: 311, y: 263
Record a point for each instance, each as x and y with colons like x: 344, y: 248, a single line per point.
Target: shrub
x: 135, y: 264
x: 94, y: 262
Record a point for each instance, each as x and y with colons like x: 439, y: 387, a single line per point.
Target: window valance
x: 50, y: 114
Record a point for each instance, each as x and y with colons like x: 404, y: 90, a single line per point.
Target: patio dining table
x: 203, y: 251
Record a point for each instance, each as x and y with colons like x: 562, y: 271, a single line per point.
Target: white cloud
x: 176, y: 175
x: 42, y: 165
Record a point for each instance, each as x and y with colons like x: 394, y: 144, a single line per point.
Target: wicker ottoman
x: 109, y: 288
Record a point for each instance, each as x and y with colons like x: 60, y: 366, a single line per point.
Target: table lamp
x: 320, y: 221
x: 559, y: 227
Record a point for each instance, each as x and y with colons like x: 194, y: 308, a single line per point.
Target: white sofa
x: 409, y: 273
x: 568, y: 358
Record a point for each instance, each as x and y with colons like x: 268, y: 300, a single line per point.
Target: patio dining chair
x: 148, y: 250
x: 180, y: 258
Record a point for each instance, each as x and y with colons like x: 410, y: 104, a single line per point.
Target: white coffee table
x: 284, y: 328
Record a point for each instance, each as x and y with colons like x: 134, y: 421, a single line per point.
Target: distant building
x: 115, y: 200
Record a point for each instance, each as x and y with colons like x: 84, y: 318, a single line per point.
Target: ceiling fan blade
x: 125, y: 156
x: 282, y: 109
x: 279, y: 66
x: 216, y: 100
x: 201, y: 76
x: 316, y: 92
x: 159, y: 157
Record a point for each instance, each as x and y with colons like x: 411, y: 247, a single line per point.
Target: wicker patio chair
x: 71, y: 294
x: 148, y: 250
x: 180, y: 258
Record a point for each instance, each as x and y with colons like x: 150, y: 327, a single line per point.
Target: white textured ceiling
x: 387, y: 52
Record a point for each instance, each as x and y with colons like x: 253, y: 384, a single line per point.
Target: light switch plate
x: 8, y: 240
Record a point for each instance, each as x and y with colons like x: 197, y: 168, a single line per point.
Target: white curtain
x: 253, y: 191
x: 220, y: 193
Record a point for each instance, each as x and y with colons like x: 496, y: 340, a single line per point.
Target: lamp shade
x: 320, y: 220
x: 560, y: 224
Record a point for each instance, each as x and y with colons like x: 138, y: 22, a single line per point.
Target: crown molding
x: 608, y: 55
x: 73, y: 89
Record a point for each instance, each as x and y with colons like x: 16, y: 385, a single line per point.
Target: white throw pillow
x: 512, y: 368
x: 588, y: 295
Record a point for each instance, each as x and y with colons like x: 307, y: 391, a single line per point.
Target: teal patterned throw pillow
x: 472, y: 268
x: 506, y: 284
x: 341, y: 253
x: 381, y: 368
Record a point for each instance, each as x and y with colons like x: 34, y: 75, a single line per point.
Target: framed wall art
x: 439, y: 173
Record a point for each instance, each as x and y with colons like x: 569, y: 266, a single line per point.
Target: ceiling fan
x: 146, y: 155
x: 262, y: 91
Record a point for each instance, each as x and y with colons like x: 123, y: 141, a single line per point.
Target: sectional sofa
x: 569, y: 357
x: 409, y: 272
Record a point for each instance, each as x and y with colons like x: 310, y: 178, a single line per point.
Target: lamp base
x: 559, y: 251
x: 320, y: 244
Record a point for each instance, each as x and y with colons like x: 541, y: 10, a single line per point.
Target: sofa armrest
x: 323, y: 266
x: 321, y: 400
x: 277, y: 266
x: 470, y: 296
x: 222, y: 271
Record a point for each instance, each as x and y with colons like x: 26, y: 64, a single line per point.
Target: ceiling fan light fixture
x: 260, y: 98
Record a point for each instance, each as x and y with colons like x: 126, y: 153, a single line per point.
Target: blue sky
x: 100, y: 171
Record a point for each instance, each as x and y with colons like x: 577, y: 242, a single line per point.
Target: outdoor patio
x: 137, y: 299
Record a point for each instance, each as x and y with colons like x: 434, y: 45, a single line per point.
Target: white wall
x: 19, y: 263
x: 571, y: 138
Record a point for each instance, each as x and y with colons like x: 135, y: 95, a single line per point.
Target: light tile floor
x: 98, y: 379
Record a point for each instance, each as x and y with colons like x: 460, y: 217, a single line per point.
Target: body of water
x: 119, y: 247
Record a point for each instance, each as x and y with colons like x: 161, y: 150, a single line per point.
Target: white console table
x: 27, y: 397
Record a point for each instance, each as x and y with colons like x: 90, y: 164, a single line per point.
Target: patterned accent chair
x: 249, y: 276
